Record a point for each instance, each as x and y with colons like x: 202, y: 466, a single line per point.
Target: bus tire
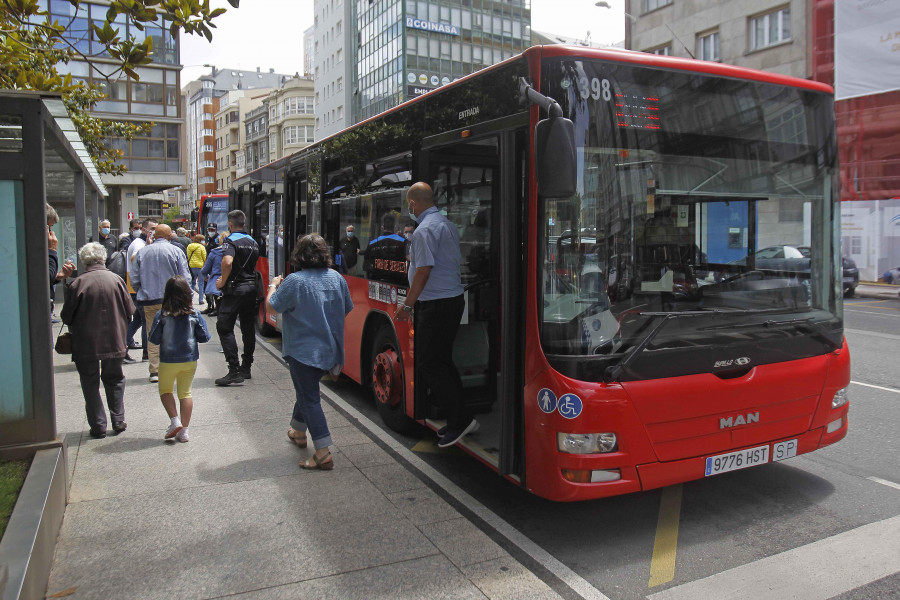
x: 262, y: 325
x: 386, y: 368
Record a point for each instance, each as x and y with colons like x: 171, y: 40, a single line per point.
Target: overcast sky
x: 269, y: 33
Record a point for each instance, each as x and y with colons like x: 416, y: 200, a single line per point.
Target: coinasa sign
x: 429, y: 26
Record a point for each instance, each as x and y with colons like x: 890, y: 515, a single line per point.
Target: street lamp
x: 605, y: 4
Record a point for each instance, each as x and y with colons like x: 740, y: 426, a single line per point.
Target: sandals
x: 298, y: 437
x: 326, y: 463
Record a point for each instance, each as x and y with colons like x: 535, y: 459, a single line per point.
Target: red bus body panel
x: 666, y: 428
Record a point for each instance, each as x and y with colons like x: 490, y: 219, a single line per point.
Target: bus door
x: 478, y: 185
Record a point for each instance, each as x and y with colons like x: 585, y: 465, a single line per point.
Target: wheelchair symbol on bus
x: 570, y: 406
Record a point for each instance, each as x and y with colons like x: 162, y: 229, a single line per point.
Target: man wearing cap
x: 212, y: 236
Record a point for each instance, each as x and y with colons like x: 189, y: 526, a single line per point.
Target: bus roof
x: 684, y: 64
x: 610, y: 54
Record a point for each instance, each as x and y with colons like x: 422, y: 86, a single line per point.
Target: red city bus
x: 213, y: 208
x: 636, y: 315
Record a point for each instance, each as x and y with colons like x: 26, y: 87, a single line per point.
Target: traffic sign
x: 130, y: 216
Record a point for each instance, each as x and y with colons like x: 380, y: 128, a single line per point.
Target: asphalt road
x: 813, y: 526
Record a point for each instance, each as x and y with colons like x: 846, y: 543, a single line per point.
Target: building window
x: 649, y: 5
x: 340, y: 83
x: 662, y: 50
x: 340, y: 55
x: 708, y: 46
x: 770, y: 29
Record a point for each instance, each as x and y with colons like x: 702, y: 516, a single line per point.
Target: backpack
x: 116, y: 263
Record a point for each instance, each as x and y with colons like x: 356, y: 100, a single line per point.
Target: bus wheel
x: 265, y: 329
x: 387, y: 384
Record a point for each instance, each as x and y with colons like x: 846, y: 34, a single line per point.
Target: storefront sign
x: 429, y: 26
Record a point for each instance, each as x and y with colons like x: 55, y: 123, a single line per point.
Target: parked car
x: 850, y: 274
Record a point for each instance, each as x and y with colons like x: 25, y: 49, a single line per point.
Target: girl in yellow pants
x: 177, y: 329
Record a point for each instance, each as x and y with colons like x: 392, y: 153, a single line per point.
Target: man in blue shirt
x: 436, y: 293
x: 153, y: 266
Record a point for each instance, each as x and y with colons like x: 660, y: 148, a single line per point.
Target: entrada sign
x: 430, y: 26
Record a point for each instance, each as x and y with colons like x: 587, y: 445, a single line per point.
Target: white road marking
x: 819, y: 570
x: 869, y: 312
x: 887, y: 336
x: 884, y: 482
x: 877, y: 387
x: 574, y: 581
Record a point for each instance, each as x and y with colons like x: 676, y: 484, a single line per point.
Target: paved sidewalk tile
x: 231, y: 514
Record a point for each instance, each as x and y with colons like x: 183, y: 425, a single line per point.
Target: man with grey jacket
x: 153, y: 266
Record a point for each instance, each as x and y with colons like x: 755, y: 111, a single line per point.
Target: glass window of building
x: 770, y: 29
x: 708, y: 46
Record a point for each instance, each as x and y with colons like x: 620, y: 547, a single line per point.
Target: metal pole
x: 80, y: 217
x: 95, y: 215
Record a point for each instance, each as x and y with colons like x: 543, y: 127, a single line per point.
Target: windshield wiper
x: 613, y: 372
x: 817, y: 329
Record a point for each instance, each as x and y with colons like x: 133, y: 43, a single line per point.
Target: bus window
x: 384, y: 251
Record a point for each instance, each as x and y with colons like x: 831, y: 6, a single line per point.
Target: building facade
x: 154, y: 161
x: 770, y: 35
x: 256, y: 136
x: 201, y: 102
x: 291, y: 118
x: 396, y: 50
x: 230, y: 133
x: 332, y: 44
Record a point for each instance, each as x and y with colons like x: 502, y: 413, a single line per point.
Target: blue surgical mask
x: 105, y: 231
x: 414, y: 218
x: 349, y: 234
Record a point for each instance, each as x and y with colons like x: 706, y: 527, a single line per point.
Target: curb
x: 28, y: 546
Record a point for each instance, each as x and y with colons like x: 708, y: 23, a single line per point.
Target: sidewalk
x: 230, y: 512
x: 882, y: 291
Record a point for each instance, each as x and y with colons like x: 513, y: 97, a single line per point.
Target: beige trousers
x: 152, y: 349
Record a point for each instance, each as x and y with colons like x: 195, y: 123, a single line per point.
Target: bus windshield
x: 696, y: 193
x: 215, y: 210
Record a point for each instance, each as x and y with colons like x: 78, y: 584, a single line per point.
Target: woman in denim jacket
x: 177, y: 329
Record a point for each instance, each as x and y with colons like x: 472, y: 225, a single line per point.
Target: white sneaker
x: 182, y: 436
x: 154, y: 378
x: 173, y: 429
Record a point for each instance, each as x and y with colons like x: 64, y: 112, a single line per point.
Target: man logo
x: 739, y: 420
x: 742, y: 361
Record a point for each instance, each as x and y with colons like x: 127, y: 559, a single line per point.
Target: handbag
x: 63, y: 342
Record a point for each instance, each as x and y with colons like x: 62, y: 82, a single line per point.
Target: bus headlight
x: 586, y: 443
x: 840, y: 398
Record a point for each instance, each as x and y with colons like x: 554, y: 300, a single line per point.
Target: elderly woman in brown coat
x: 97, y: 310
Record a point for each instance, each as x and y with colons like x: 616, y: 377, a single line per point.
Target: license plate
x: 737, y: 460
x: 783, y: 450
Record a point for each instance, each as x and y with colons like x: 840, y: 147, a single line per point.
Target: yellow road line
x: 662, y: 565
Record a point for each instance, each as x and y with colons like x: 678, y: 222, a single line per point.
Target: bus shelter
x: 42, y: 160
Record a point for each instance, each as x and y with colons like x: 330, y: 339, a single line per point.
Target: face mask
x: 349, y: 234
x: 105, y: 231
x: 407, y: 236
x: 136, y: 233
x: 414, y: 218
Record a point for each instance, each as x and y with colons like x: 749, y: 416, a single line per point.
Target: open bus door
x: 478, y: 183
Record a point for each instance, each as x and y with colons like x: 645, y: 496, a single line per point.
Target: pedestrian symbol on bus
x: 546, y: 400
x: 570, y: 406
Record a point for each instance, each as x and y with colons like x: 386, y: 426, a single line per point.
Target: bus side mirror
x: 554, y: 140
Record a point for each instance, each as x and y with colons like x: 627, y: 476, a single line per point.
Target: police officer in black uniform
x: 239, y: 298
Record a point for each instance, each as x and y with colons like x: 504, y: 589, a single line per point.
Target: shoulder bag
x: 63, y: 342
